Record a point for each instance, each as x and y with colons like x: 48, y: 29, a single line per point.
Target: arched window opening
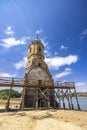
x: 39, y: 64
x: 39, y: 49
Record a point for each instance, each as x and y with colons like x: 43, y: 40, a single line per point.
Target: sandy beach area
x: 44, y: 120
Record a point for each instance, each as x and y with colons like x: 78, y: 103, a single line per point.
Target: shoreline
x: 82, y: 97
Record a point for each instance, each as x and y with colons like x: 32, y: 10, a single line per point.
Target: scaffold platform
x: 63, y: 91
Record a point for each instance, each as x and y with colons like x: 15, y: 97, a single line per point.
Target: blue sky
x: 62, y: 27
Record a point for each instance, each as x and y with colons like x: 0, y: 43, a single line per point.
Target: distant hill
x: 5, y: 92
x: 82, y: 94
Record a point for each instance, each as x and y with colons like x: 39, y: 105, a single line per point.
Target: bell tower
x: 35, y: 52
x: 36, y: 72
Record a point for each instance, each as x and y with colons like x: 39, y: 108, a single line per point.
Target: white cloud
x: 10, y: 42
x: 21, y: 64
x: 39, y: 31
x: 56, y: 53
x: 81, y: 84
x: 66, y: 72
x: 63, y: 47
x: 83, y: 34
x: 7, y: 75
x: 56, y: 62
x: 47, y: 53
x: 9, y: 31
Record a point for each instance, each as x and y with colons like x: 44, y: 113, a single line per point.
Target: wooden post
x: 63, y: 99
x: 67, y: 96
x: 59, y: 104
x: 23, y: 93
x: 71, y: 99
x: 36, y: 99
x: 23, y: 96
x: 45, y: 104
x: 8, y: 100
x: 59, y: 98
x: 54, y: 98
x: 77, y: 100
x: 48, y: 92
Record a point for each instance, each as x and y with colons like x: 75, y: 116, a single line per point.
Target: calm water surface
x: 83, y: 103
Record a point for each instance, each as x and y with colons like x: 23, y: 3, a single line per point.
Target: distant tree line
x: 5, y: 93
x: 82, y: 94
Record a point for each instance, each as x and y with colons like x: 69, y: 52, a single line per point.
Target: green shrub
x: 5, y: 93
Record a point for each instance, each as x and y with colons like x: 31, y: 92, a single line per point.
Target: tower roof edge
x: 36, y: 41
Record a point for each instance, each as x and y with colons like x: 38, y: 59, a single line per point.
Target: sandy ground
x: 44, y: 120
